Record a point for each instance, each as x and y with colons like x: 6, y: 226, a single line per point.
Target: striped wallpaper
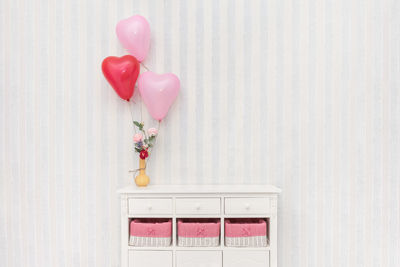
x: 304, y: 95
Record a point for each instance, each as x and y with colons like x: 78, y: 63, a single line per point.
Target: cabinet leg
x: 273, y: 227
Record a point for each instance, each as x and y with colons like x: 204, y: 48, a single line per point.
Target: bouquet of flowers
x: 144, y: 140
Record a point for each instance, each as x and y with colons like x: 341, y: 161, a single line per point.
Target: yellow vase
x: 142, y: 179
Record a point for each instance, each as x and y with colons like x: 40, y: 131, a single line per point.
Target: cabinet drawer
x: 198, y: 206
x: 247, y: 258
x: 150, y: 258
x: 199, y: 259
x: 145, y: 206
x: 257, y: 205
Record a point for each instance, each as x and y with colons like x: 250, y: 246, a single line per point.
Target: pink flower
x: 152, y: 131
x: 137, y: 137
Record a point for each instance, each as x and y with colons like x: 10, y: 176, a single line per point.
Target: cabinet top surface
x: 202, y: 189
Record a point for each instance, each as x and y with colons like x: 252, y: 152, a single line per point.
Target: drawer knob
x: 247, y: 206
x: 149, y: 207
x: 198, y: 206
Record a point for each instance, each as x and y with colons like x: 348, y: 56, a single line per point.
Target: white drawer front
x: 147, y: 206
x: 248, y: 258
x: 257, y: 205
x: 199, y: 259
x: 198, y: 205
x: 150, y: 259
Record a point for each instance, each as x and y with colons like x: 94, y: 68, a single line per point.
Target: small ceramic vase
x: 142, y: 179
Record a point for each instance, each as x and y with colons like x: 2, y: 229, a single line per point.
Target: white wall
x: 300, y: 94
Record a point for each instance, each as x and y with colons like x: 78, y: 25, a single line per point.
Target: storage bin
x: 246, y: 233
x: 198, y: 232
x: 150, y: 232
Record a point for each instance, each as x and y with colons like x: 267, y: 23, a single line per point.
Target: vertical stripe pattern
x: 300, y: 94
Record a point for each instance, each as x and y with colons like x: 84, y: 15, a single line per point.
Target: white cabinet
x: 198, y: 259
x: 150, y: 258
x: 219, y: 202
x: 246, y: 258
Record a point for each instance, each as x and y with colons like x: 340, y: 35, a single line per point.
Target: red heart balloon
x: 121, y: 73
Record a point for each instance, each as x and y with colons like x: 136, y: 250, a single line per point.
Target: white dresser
x: 199, y: 201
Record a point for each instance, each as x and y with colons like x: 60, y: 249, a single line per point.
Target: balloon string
x: 137, y: 170
x: 130, y: 110
x: 141, y: 109
x: 144, y: 66
x: 158, y: 132
x: 151, y: 149
x: 141, y: 106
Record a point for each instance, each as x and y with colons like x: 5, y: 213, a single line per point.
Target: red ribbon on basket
x: 201, y: 231
x: 246, y: 231
x: 151, y: 231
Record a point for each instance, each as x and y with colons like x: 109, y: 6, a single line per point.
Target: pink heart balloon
x: 158, y: 92
x: 134, y: 35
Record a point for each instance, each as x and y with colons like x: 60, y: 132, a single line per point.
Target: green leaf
x: 139, y: 125
x: 137, y: 149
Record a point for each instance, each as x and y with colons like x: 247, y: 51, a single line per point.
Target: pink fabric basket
x: 150, y: 232
x: 245, y: 227
x: 151, y: 227
x: 198, y: 232
x: 246, y: 233
x: 198, y: 228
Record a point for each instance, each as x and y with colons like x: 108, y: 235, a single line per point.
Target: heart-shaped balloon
x: 121, y: 73
x: 158, y: 92
x: 134, y: 35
